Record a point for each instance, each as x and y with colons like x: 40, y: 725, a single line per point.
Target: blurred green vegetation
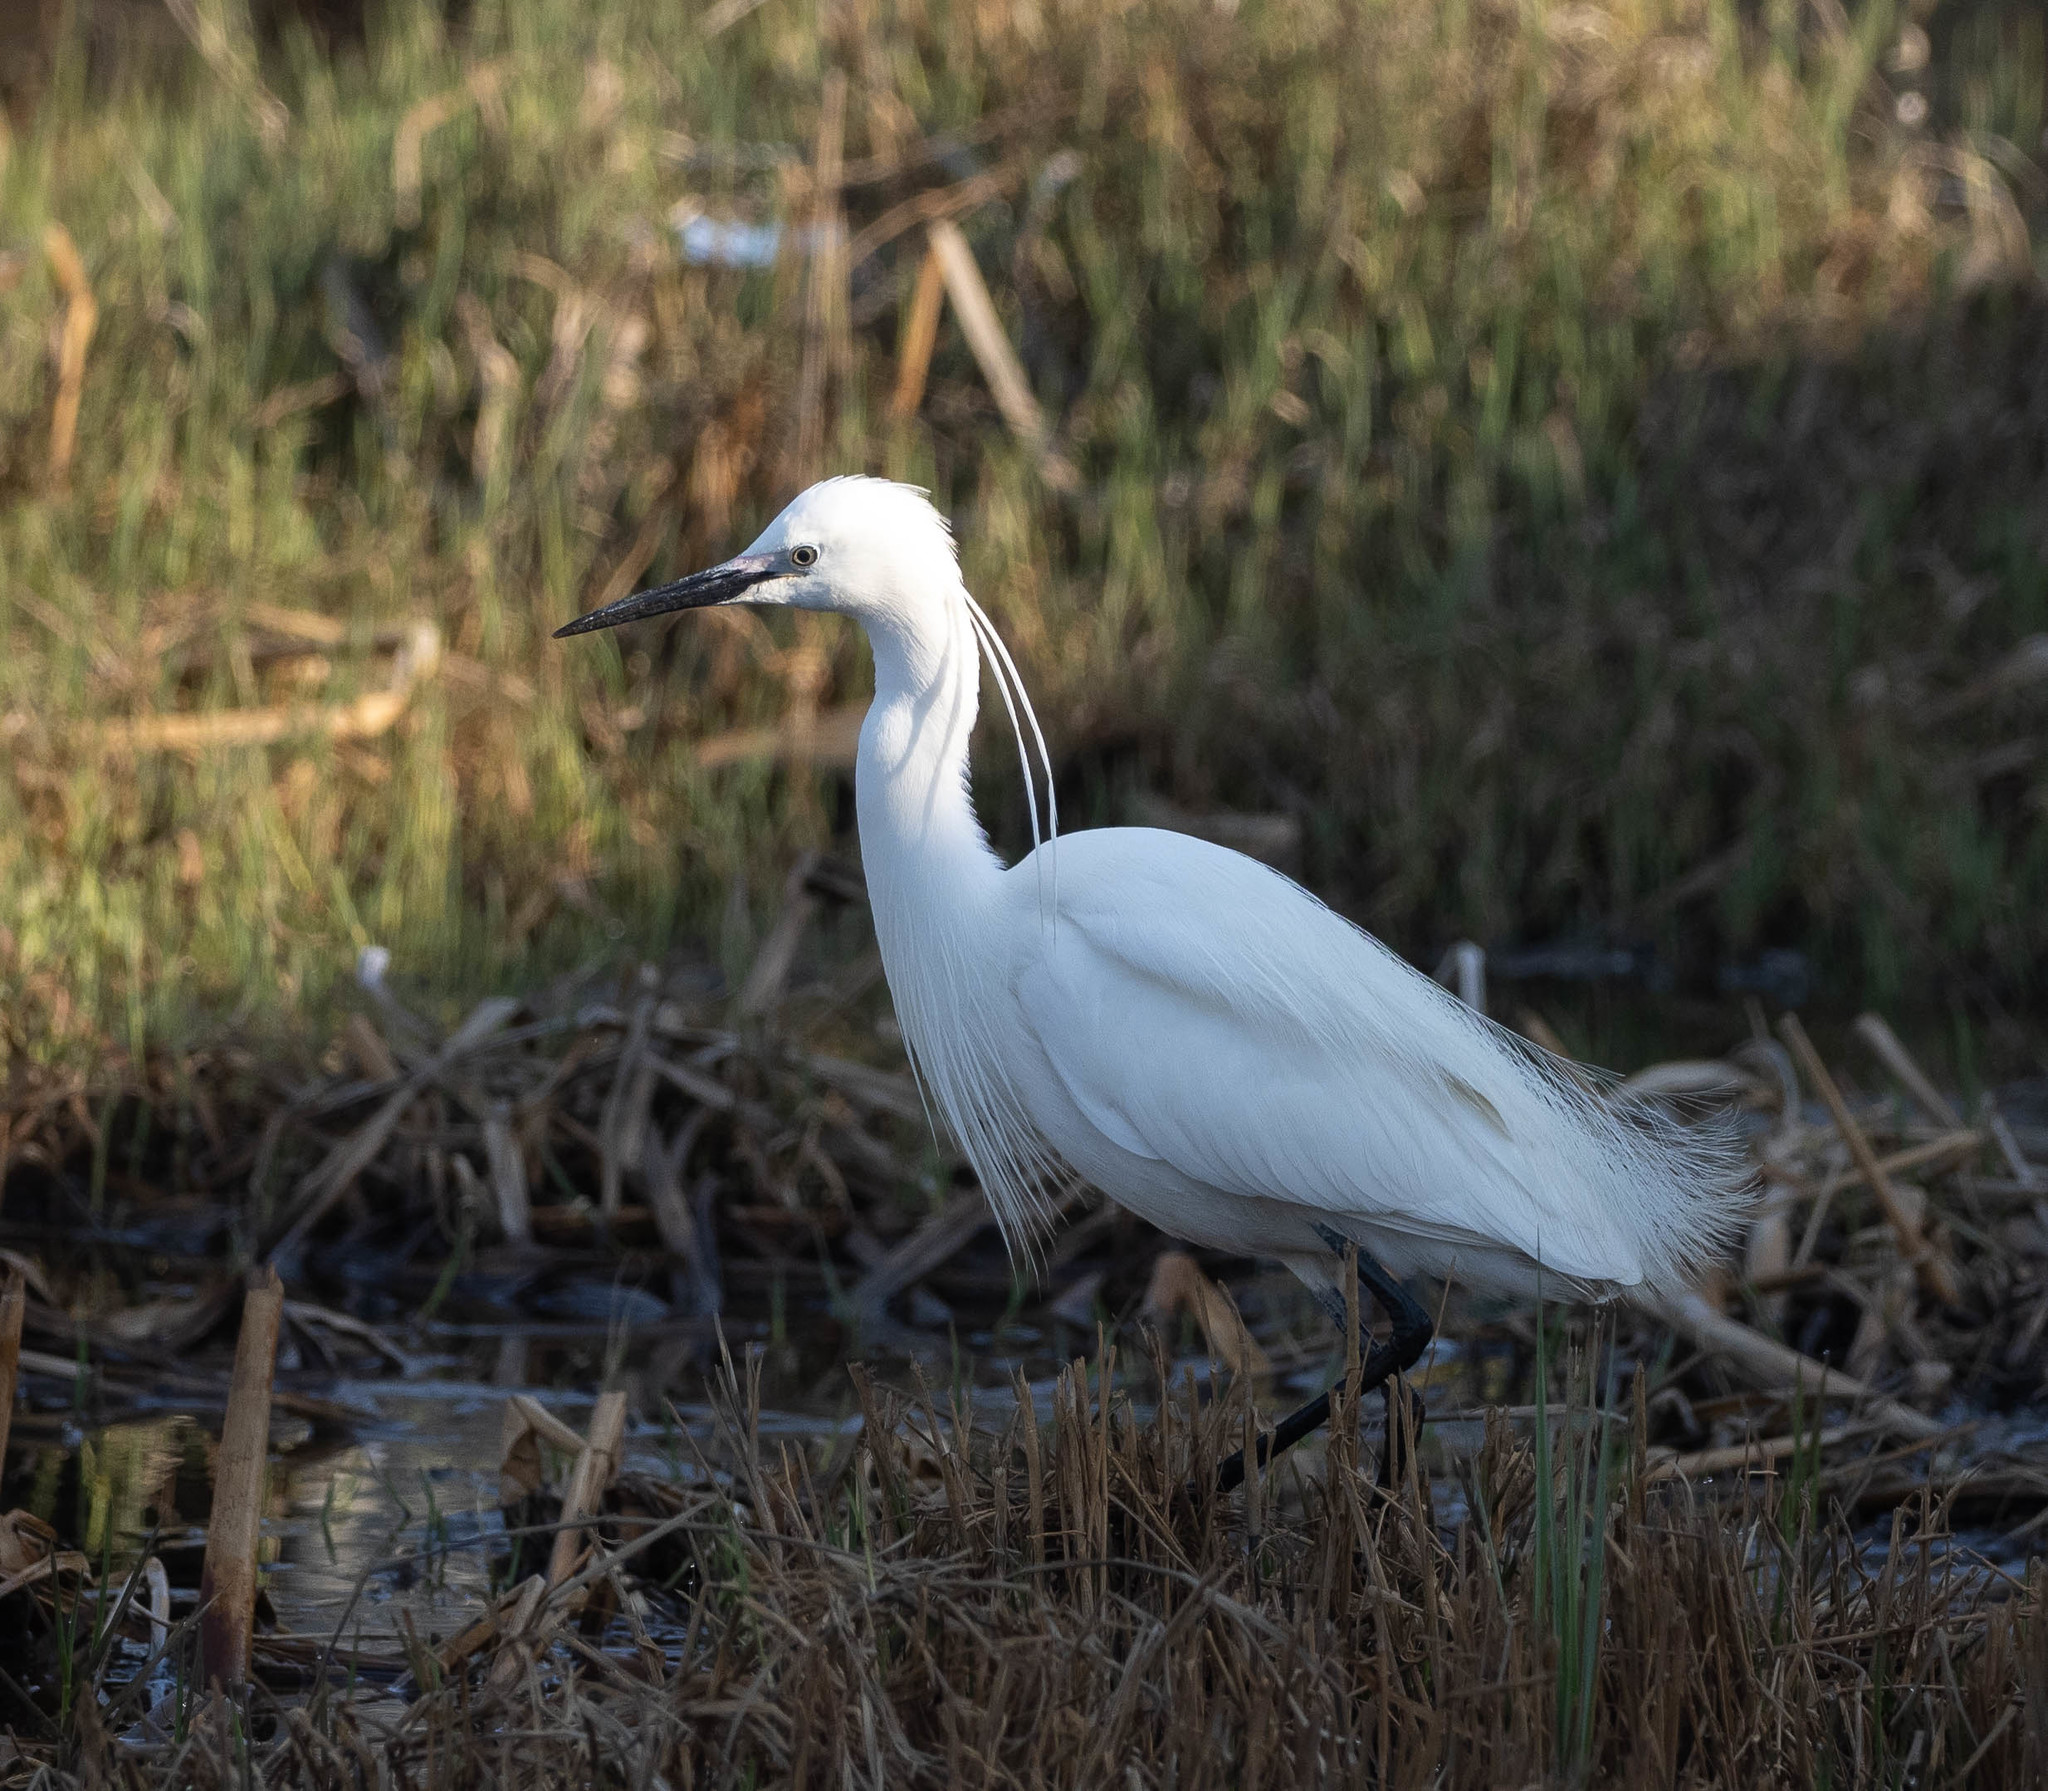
x: 1588, y: 462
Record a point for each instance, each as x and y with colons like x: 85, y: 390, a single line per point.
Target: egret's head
x: 864, y: 547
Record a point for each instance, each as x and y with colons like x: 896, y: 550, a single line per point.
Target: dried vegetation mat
x: 697, y: 1152
x: 1784, y: 1530
x: 1063, y: 1602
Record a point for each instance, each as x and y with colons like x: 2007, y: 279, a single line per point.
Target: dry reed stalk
x: 290, y: 401
x: 994, y: 355
x: 1767, y: 1251
x: 523, y: 1414
x: 369, y: 715
x: 1885, y: 1310
x: 2026, y: 1174
x: 832, y: 741
x: 52, y: 1367
x: 13, y: 1307
x: 596, y: 1462
x: 1463, y: 972
x: 331, y: 1178
x: 305, y: 1313
x: 1177, y: 1286
x: 1776, y: 1368
x: 498, y: 371
x: 517, y: 1644
x: 1885, y: 1045
x: 18, y: 1579
x: 1539, y: 1031
x: 1750, y: 1457
x: 623, y: 1123
x: 1935, y: 1272
x: 1937, y: 1154
x: 522, y: 1621
x: 227, y: 1581
x: 479, y: 87
x: 881, y: 1091
x: 81, y: 318
x: 920, y: 337
x: 157, y: 1578
x: 507, y: 1164
x: 935, y: 1241
x: 766, y: 977
x: 495, y: 1622
x: 723, y: 15
x: 825, y: 305
x: 930, y: 207
x: 317, y: 632
x: 232, y: 58
x: 685, y: 1233
x: 366, y: 1044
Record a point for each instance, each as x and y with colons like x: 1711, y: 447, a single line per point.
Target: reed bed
x: 1567, y: 476
x: 1065, y: 1603
x: 1783, y: 1530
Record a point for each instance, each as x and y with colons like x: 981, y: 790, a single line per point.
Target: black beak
x: 716, y: 584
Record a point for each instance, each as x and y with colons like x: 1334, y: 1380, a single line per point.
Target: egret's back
x: 1211, y: 1024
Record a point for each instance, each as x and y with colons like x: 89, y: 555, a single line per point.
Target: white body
x: 1189, y: 1030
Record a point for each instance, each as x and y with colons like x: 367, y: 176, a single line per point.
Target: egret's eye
x: 803, y: 556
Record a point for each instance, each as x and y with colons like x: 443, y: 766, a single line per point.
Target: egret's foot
x: 1383, y: 1362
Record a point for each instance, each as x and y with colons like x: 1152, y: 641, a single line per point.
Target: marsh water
x: 387, y: 1512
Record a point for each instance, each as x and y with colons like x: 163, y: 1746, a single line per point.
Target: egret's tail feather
x: 1681, y: 1182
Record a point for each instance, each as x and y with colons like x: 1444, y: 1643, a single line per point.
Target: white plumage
x: 1184, y: 1027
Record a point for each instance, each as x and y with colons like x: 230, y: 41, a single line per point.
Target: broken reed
x: 1060, y: 1600
x: 227, y: 1582
x: 1419, y: 371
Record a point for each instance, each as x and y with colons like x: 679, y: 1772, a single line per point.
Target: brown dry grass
x: 1050, y: 1605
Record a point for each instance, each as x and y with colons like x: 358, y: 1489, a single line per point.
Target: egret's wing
x: 1205, y: 1011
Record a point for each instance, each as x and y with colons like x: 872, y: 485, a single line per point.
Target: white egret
x: 1184, y: 1027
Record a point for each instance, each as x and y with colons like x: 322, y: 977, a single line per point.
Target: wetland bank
x: 1570, y: 478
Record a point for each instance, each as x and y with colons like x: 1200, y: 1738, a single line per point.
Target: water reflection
x: 399, y: 1521
x: 148, y: 1480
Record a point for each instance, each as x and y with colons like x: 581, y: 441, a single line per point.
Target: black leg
x: 1410, y: 1336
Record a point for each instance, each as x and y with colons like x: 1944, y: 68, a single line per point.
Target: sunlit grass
x: 1431, y: 372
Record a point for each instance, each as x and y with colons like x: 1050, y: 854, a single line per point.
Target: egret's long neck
x: 923, y: 849
x: 937, y: 894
